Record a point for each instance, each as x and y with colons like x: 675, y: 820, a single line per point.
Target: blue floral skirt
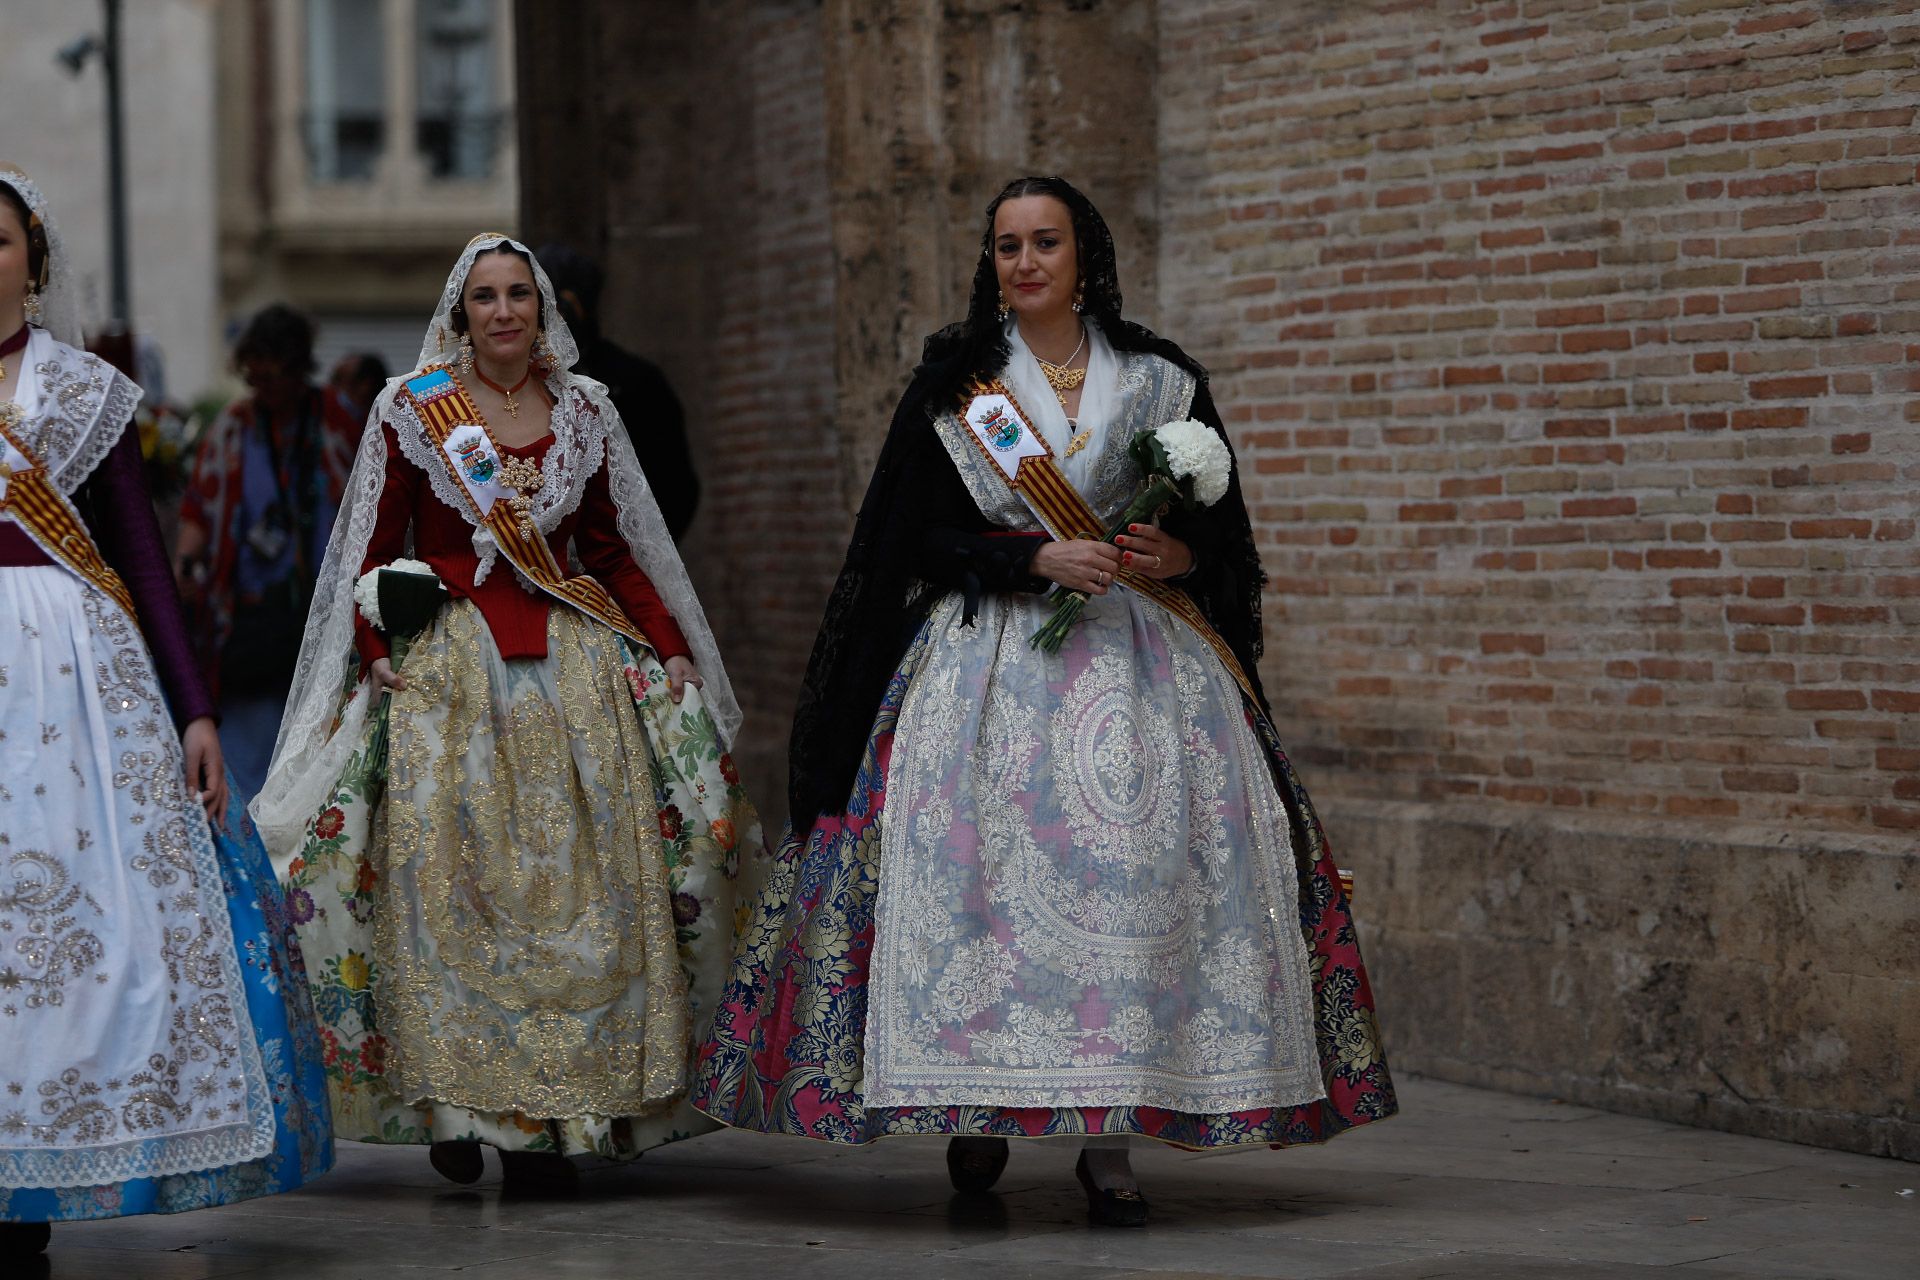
x: 281, y: 1011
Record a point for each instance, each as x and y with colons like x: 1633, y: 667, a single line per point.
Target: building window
x: 460, y: 110
x: 346, y: 120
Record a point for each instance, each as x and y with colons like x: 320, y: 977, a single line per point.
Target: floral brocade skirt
x: 518, y: 903
x: 1152, y: 1013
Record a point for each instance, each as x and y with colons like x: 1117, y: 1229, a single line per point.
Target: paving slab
x: 1465, y: 1183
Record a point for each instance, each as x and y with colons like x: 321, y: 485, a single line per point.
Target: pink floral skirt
x: 785, y: 1055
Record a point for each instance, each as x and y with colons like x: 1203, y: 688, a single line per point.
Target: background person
x: 358, y: 379
x: 655, y: 420
x: 261, y: 494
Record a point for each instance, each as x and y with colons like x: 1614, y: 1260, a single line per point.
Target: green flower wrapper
x: 408, y: 603
x: 1160, y: 490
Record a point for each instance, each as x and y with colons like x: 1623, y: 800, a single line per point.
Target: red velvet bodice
x: 517, y: 617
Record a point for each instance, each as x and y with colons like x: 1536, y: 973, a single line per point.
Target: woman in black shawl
x: 1028, y: 894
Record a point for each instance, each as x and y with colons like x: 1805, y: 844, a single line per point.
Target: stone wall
x: 1566, y: 346
x: 689, y: 153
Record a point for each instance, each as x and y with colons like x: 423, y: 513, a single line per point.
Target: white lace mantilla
x: 1088, y: 895
x: 325, y: 710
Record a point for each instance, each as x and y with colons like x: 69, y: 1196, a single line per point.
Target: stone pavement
x: 1464, y: 1183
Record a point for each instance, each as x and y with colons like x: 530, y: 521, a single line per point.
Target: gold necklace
x: 511, y: 405
x: 1060, y: 377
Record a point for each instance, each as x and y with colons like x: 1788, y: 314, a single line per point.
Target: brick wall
x: 1571, y: 350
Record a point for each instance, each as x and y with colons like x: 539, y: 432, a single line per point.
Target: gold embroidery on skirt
x: 526, y: 946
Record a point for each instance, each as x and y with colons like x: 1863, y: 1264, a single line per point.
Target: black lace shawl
x: 919, y: 534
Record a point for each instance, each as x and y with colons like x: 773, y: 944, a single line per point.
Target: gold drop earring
x: 33, y: 305
x: 466, y: 354
x: 1003, y: 311
x: 1079, y: 296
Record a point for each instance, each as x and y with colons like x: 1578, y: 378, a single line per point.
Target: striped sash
x: 451, y: 418
x: 1037, y: 480
x: 27, y: 494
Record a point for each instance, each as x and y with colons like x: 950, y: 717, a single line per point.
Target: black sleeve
x: 1227, y: 581
x: 657, y: 423
x: 956, y: 548
x: 957, y: 560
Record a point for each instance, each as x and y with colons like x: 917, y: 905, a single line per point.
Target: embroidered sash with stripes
x: 451, y: 419
x: 1019, y: 456
x: 27, y: 494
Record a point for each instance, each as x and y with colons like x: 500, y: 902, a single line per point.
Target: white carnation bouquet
x: 1187, y: 466
x: 400, y: 598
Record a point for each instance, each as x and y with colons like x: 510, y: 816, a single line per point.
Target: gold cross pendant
x: 513, y: 406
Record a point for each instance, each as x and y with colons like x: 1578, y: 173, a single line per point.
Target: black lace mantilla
x: 919, y: 534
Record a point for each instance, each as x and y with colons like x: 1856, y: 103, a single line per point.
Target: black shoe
x: 458, y: 1161
x: 538, y: 1174
x: 975, y: 1164
x: 24, y: 1239
x: 1121, y: 1207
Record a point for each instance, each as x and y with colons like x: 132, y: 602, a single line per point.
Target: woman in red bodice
x: 511, y: 820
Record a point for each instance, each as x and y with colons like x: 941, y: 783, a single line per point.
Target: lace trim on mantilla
x: 85, y: 406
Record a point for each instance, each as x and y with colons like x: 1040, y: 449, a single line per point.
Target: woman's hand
x: 680, y: 673
x: 386, y: 677
x: 206, y: 767
x: 1078, y: 565
x: 1152, y: 552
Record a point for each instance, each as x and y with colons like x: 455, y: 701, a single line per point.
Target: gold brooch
x: 525, y: 479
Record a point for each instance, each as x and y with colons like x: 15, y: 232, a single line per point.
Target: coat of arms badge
x: 476, y: 460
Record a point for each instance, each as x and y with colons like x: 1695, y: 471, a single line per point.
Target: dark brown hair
x: 36, y: 236
x: 277, y: 332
